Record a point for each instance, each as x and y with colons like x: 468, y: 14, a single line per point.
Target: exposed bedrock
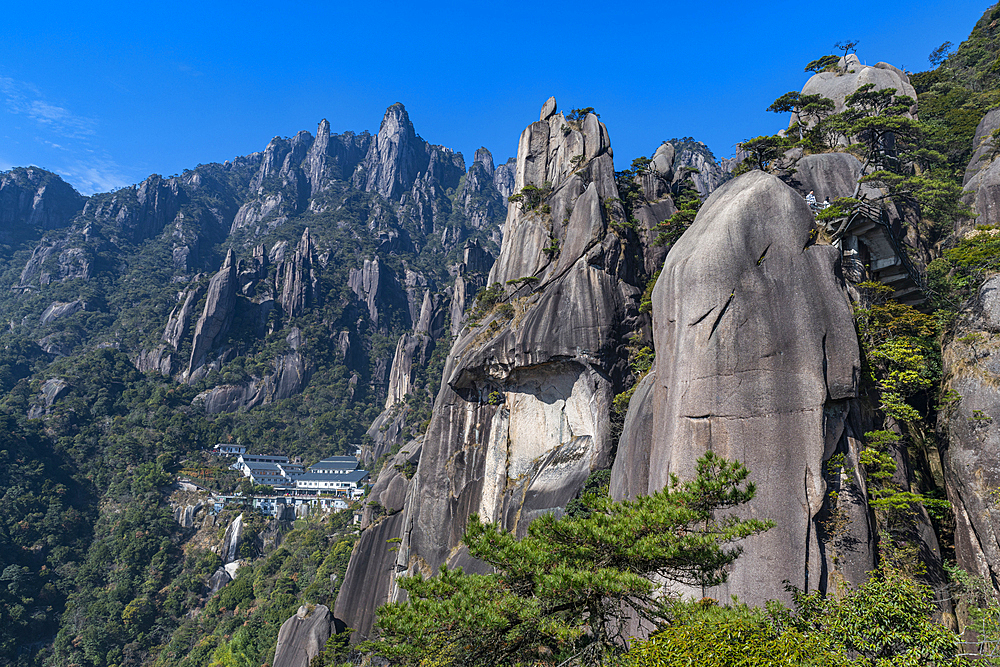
x: 972, y: 458
x: 851, y: 75
x: 303, y: 636
x: 520, y: 420
x: 217, y: 317
x: 982, y: 177
x: 33, y: 197
x: 757, y: 360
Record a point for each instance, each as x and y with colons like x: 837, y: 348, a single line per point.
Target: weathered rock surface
x: 982, y: 177
x: 757, y: 360
x: 826, y: 175
x: 32, y: 197
x: 711, y: 173
x: 297, y: 278
x: 972, y: 457
x: 504, y: 177
x: 981, y: 147
x: 303, y: 636
x: 520, y: 420
x: 291, y: 374
x: 481, y: 201
x: 60, y: 309
x: 379, y: 289
x: 54, y: 259
x: 851, y: 75
x: 217, y: 317
x: 51, y: 391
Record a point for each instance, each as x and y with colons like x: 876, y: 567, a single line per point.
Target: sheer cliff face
x: 971, y: 366
x: 757, y: 360
x: 521, y: 417
x: 972, y: 458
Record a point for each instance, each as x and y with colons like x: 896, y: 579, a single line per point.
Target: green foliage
x: 566, y: 586
x: 803, y: 107
x: 711, y: 635
x: 531, y: 197
x: 823, y: 64
x: 956, y: 276
x: 762, y: 151
x: 885, y: 622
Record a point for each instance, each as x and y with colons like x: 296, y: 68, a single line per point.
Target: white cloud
x: 78, y: 160
x: 94, y: 175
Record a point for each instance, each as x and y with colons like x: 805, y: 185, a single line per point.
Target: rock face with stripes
x: 521, y: 417
x: 756, y: 360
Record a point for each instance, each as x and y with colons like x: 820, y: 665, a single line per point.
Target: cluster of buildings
x: 337, y: 476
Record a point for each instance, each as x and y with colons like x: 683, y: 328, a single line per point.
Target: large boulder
x: 756, y: 360
x: 851, y: 75
x: 303, y: 636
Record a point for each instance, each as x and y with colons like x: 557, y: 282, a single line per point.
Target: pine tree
x: 570, y: 588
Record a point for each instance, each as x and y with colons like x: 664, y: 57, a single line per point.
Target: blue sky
x: 107, y: 93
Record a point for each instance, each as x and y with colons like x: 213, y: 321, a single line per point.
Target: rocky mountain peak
x: 485, y: 158
x: 33, y: 197
x: 394, y: 158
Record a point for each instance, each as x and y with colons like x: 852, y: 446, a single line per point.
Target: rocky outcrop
x: 520, y: 420
x: 231, y: 541
x: 656, y: 205
x: 54, y: 259
x: 972, y: 457
x: 980, y: 145
x: 291, y: 374
x: 377, y: 287
x: 395, y: 156
x: 982, y: 177
x: 504, y: 177
x: 217, y: 316
x: 709, y: 173
x: 51, y: 391
x: 412, y: 352
x: 757, y: 360
x: 297, y: 278
x: 483, y: 205
x: 34, y: 198
x: 303, y: 636
x: 827, y: 175
x: 851, y: 75
x: 58, y: 309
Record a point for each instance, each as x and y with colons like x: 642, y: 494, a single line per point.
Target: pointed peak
x: 548, y: 109
x: 485, y: 158
x: 230, y: 259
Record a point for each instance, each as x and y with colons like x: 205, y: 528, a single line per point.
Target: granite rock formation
x: 217, y: 316
x: 851, y: 75
x: 972, y: 457
x: 982, y: 177
x: 519, y: 422
x: 757, y: 360
x: 35, y: 198
x: 303, y: 636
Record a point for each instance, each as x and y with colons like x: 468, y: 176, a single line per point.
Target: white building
x: 344, y: 483
x: 226, y: 449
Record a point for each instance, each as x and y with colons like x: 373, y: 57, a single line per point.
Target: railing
x: 878, y: 215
